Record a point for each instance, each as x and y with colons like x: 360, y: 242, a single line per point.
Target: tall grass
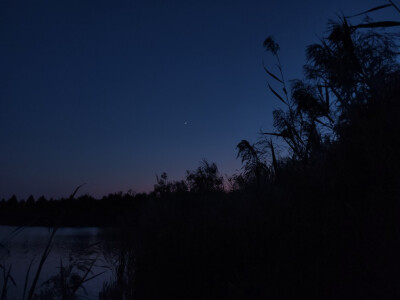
x: 64, y: 285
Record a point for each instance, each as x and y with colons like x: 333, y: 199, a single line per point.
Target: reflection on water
x: 19, y: 246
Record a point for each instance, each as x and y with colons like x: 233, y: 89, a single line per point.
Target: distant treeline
x: 113, y: 209
x: 82, y: 211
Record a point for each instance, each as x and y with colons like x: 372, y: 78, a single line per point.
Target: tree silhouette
x: 205, y: 178
x: 164, y: 187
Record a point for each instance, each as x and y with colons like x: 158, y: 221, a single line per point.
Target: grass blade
x: 276, y: 134
x: 5, y: 284
x: 76, y: 190
x: 11, y: 278
x: 94, y: 276
x: 6, y: 276
x: 274, y: 161
x: 42, y: 261
x: 394, y: 5
x: 62, y: 280
x: 84, y: 278
x: 276, y: 94
x: 271, y: 74
x: 378, y: 24
x: 27, y: 278
x: 370, y: 10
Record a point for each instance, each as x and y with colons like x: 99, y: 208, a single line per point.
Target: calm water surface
x: 19, y: 246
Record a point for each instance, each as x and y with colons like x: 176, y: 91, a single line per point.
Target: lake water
x: 19, y: 246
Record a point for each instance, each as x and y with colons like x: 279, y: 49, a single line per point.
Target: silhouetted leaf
x: 394, y: 5
x: 276, y: 134
x: 276, y: 94
x: 42, y: 261
x: 27, y: 278
x: 327, y: 97
x: 272, y: 75
x: 320, y: 90
x: 274, y: 160
x: 378, y: 24
x: 76, y: 190
x: 322, y: 123
x: 370, y: 10
x: 11, y: 278
x: 94, y: 276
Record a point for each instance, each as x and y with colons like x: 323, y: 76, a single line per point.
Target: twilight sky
x: 111, y: 93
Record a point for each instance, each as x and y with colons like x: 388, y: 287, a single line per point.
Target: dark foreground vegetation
x: 321, y: 222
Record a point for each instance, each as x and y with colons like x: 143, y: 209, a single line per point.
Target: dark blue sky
x: 99, y: 91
